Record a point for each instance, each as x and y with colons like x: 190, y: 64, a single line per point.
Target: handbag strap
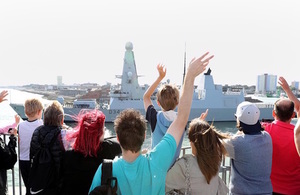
x: 187, y: 177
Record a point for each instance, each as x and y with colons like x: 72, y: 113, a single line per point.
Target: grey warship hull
x: 207, y: 95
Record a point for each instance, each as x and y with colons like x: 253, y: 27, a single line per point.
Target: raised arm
x: 12, y: 126
x: 282, y: 82
x: 147, y: 96
x: 3, y: 94
x: 297, y: 135
x: 196, y: 67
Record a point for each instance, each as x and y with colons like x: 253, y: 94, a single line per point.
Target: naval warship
x: 129, y: 94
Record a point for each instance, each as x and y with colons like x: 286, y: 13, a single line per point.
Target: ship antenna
x: 184, y: 63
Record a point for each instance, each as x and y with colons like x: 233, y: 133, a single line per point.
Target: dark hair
x: 168, y: 96
x: 284, y: 109
x: 130, y: 126
x: 206, y: 139
x: 88, y: 132
x: 54, y: 114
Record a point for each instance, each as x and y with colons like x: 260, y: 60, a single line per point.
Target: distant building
x: 266, y: 84
x: 59, y: 81
x: 295, y: 84
x: 72, y: 92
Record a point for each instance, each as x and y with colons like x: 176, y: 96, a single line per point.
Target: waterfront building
x: 295, y: 84
x: 59, y: 81
x: 266, y: 84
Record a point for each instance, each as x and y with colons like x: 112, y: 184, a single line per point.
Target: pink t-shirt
x: 285, y: 175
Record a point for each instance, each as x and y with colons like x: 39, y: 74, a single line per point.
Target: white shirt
x: 26, y: 129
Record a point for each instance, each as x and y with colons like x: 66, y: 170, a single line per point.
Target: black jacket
x: 78, y: 170
x: 8, y: 158
x: 44, y: 134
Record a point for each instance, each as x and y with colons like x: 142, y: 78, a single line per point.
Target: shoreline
x: 49, y: 95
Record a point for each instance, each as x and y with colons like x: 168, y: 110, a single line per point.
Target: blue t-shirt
x: 159, y: 126
x: 145, y: 175
x: 251, y: 162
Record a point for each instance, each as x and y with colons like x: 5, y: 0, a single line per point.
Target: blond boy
x: 33, y: 109
x: 167, y: 100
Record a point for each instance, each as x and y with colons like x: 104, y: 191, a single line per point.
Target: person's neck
x: 130, y: 156
x: 32, y: 118
x: 288, y: 121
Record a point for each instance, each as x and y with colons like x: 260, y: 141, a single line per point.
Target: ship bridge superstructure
x: 129, y: 88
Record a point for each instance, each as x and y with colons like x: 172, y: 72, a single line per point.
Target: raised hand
x: 3, y: 94
x: 282, y: 82
x: 203, y: 115
x: 17, y: 119
x: 13, y: 131
x: 161, y: 70
x: 285, y: 86
x: 198, y: 65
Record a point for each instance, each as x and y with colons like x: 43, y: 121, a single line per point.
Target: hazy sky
x: 84, y: 41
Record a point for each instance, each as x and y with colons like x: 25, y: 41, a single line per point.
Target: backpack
x: 8, y: 155
x: 106, y: 181
x: 43, y: 173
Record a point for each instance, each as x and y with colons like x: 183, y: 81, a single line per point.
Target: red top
x: 285, y: 175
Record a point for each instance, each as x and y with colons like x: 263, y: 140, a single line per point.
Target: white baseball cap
x: 247, y: 113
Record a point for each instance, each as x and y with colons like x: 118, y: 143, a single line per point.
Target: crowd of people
x: 264, y: 156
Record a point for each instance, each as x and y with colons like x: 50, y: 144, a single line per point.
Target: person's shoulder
x: 186, y: 157
x: 237, y: 136
x: 40, y: 127
x: 110, y: 142
x: 266, y: 134
x: 267, y: 125
x: 169, y: 136
x: 168, y: 140
x: 110, y: 147
x: 183, y: 161
x: 38, y: 130
x: 236, y: 139
x: 23, y: 122
x: 119, y: 162
x: 40, y: 121
x: 151, y: 109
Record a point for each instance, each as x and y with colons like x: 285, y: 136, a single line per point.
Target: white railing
x: 15, y: 182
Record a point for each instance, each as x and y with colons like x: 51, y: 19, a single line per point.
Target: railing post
x: 20, y: 176
x: 12, y: 171
x: 13, y: 180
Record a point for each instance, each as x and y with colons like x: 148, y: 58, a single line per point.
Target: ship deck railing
x: 16, y: 186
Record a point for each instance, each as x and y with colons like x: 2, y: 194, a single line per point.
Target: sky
x: 84, y: 41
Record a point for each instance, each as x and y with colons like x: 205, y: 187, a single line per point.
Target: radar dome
x: 128, y: 46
